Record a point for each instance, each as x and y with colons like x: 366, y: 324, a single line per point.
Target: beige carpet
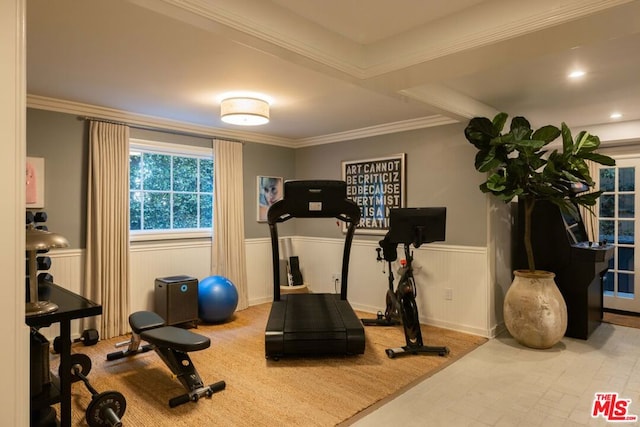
x: 260, y: 392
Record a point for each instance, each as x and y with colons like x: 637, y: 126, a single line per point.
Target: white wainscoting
x: 150, y: 261
x: 67, y: 269
x: 461, y: 271
x: 259, y: 270
x: 438, y: 268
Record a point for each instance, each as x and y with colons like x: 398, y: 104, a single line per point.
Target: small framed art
x: 269, y: 190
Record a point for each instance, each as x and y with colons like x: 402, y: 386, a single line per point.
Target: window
x: 170, y: 190
x: 617, y: 225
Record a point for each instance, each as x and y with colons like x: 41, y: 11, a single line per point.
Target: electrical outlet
x: 448, y: 294
x: 335, y: 278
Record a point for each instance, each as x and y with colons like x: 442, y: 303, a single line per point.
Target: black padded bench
x: 172, y: 344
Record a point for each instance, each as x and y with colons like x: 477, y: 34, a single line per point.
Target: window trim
x: 149, y: 235
x: 169, y: 148
x: 175, y: 150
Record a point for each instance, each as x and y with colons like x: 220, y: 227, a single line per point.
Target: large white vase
x: 535, y: 312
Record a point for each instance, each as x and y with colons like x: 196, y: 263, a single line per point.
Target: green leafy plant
x: 519, y: 165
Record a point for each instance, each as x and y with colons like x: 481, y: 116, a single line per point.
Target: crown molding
x: 270, y: 23
x: 80, y: 109
x: 616, y: 133
x: 371, y: 131
x: 488, y: 23
x: 86, y: 110
x: 480, y: 26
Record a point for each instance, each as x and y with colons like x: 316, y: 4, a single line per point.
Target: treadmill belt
x: 312, y: 312
x: 313, y: 324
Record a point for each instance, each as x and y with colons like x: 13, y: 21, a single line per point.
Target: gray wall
x: 439, y: 172
x: 264, y: 160
x: 62, y: 139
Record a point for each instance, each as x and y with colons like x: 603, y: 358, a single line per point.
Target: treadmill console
x: 313, y: 199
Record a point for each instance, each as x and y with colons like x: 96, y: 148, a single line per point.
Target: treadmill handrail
x: 345, y: 210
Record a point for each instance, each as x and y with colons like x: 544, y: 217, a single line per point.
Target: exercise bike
x: 391, y: 315
x: 407, y: 226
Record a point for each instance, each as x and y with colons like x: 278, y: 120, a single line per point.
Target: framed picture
x: 35, y: 182
x: 270, y: 190
x: 376, y: 185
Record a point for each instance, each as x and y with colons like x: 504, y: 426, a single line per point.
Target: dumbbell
x: 106, y: 408
x: 88, y: 337
x: 42, y: 263
x: 36, y: 217
x: 44, y: 278
x: 40, y: 216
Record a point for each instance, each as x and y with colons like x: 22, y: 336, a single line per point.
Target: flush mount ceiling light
x: 576, y: 74
x: 244, y: 111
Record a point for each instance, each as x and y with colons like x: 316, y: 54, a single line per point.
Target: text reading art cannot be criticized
x: 376, y: 186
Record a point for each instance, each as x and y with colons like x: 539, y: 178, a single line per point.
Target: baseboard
x: 258, y: 301
x: 621, y: 312
x: 429, y: 321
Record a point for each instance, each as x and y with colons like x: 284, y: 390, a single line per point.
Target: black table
x: 71, y: 306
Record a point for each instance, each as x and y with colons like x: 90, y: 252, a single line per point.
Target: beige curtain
x: 588, y: 217
x: 107, y: 254
x: 228, y: 257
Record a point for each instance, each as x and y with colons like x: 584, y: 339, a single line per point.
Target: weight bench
x: 172, y: 345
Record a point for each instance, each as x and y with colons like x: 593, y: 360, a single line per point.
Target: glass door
x: 617, y: 225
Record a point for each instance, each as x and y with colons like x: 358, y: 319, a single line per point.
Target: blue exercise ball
x: 217, y: 299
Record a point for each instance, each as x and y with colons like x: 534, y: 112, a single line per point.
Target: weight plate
x: 81, y: 360
x: 103, y: 407
x: 57, y: 345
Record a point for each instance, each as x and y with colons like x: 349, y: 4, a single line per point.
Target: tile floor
x: 504, y: 384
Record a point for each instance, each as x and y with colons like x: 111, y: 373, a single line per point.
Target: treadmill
x: 313, y: 324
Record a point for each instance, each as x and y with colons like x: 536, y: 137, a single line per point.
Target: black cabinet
x: 560, y: 245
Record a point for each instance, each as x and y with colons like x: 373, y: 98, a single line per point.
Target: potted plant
x: 519, y: 164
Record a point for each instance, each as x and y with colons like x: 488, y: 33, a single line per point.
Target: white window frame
x: 616, y: 300
x: 173, y: 149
